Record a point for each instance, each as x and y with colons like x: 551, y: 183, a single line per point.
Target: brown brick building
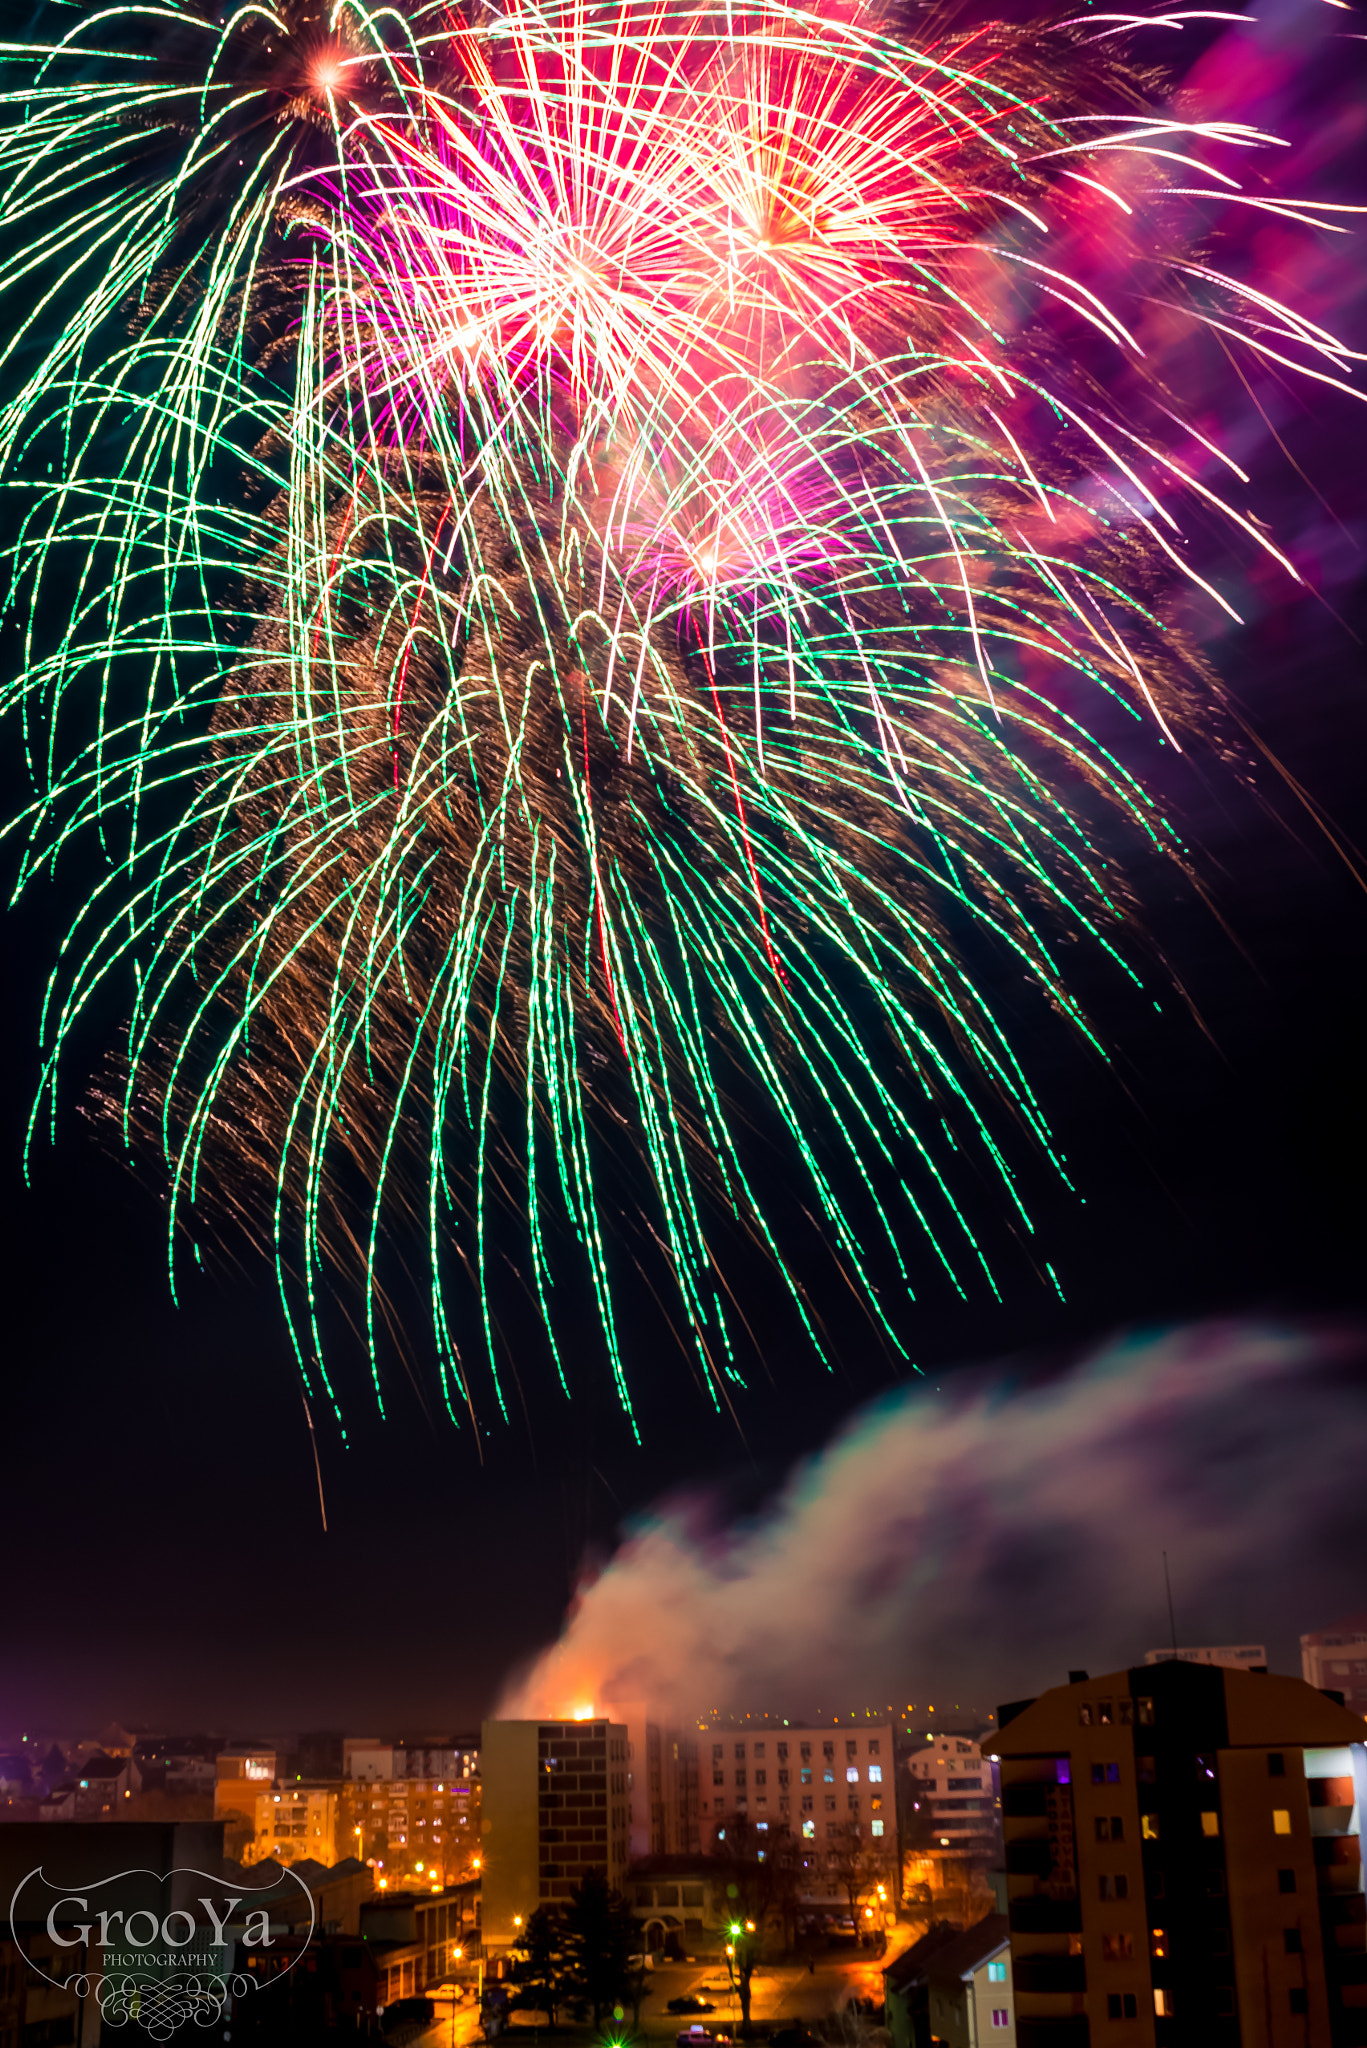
x: 1183, y: 1862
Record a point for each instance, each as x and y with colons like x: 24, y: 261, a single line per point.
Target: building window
x: 996, y: 1973
x: 852, y: 1774
x: 1110, y: 1828
x: 875, y: 1770
x: 1105, y: 1774
x: 1162, y: 2003
x: 740, y: 1780
x: 783, y: 1775
x: 875, y: 1804
x: 1000, y: 2016
x: 808, y: 1829
x: 1103, y: 1713
x: 1144, y: 1712
x: 717, y: 1752
x: 1158, y: 1943
x: 828, y: 1751
x: 1148, y: 1826
x: 1291, y: 1937
x: 1276, y: 1764
x: 1286, y: 1880
x: 828, y: 1775
x: 783, y: 1752
x: 806, y: 1777
x: 1122, y: 2005
x: 1146, y: 1770
x: 1063, y: 1771
x: 806, y: 1752
x: 851, y: 1749
x: 830, y: 1805
x: 873, y: 1746
x: 1299, y: 2001
x: 1117, y: 1948
x: 876, y: 1827
x: 1084, y: 1714
x: 1210, y: 1823
x: 759, y: 1751
x: 1281, y: 1820
x: 761, y: 1777
x: 718, y: 1777
x: 1113, y: 1887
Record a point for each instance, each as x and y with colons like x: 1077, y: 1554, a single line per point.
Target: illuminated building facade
x: 816, y: 1781
x: 556, y: 1803
x: 1182, y: 1862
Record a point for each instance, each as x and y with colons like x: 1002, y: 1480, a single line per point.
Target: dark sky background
x: 159, y: 1517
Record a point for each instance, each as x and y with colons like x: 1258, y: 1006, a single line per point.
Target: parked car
x: 688, y: 2003
x: 696, y: 2036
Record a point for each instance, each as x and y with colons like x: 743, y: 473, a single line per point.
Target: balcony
x: 1046, y: 1916
x: 1049, y: 1973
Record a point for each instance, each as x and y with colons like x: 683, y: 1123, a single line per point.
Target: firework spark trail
x: 588, y: 570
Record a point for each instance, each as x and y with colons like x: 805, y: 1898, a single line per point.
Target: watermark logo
x: 158, y: 1949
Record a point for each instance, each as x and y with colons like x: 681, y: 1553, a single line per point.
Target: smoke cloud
x: 988, y: 1534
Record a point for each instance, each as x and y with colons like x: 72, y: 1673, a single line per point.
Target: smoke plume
x: 990, y: 1533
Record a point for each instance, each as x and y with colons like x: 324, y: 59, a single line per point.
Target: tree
x: 542, y: 1971
x: 600, y: 1935
x: 856, y: 1866
x: 760, y: 1870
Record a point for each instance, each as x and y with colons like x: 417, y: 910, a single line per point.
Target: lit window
x: 875, y: 1774
x: 809, y: 1828
x: 1281, y: 1820
x: 1210, y: 1823
x: 1148, y: 1826
x: 1162, y: 2003
x: 1000, y: 2016
x: 852, y: 1775
x: 876, y: 1827
x: 996, y: 1973
x: 1063, y: 1771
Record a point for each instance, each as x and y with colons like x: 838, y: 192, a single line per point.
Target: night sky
x: 165, y: 1558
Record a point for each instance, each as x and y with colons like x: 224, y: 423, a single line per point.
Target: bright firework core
x: 645, y: 595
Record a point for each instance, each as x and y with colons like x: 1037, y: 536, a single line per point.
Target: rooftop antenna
x: 1167, y: 1581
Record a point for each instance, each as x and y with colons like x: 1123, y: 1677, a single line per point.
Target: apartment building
x: 1183, y: 1863
x: 556, y: 1803
x: 815, y: 1781
x: 953, y: 1793
x: 1337, y: 1659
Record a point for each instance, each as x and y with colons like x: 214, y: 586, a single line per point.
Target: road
x: 781, y: 1994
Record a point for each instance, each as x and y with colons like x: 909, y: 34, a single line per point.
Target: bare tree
x: 857, y: 1866
x: 760, y: 1870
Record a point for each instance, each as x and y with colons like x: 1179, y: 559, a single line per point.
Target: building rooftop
x: 949, y: 1952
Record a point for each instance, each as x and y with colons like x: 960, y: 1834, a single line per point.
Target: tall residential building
x: 1183, y: 1866
x: 555, y: 1804
x: 1337, y: 1659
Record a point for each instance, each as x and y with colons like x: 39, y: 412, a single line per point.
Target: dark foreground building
x: 1183, y: 1862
